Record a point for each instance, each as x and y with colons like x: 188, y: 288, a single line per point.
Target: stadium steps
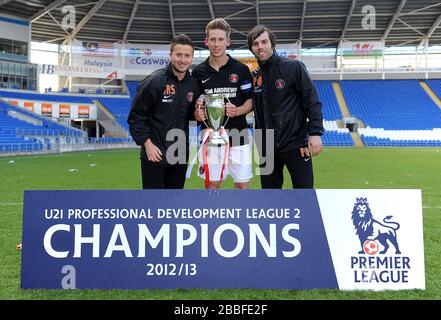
x: 431, y: 94
x: 23, y: 117
x: 125, y: 88
x: 357, y: 140
x: 48, y: 125
x: 341, y: 100
x: 340, y: 123
x: 345, y: 111
x: 106, y: 119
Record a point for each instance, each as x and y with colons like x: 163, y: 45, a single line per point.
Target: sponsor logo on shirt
x: 228, y: 91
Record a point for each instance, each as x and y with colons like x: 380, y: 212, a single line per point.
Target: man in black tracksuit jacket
x: 164, y: 104
x: 286, y: 101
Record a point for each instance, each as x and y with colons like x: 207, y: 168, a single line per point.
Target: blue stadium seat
x: 393, y: 106
x: 120, y: 108
x: 331, y: 112
x: 133, y: 87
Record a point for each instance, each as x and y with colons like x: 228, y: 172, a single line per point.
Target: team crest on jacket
x: 234, y: 78
x: 280, y: 84
x: 190, y: 96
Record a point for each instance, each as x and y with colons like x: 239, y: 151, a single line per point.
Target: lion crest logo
x: 369, y: 229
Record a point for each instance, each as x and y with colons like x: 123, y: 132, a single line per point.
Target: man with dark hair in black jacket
x: 159, y: 118
x: 286, y: 101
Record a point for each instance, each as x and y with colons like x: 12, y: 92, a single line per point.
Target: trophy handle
x: 228, y: 118
x: 202, y: 97
x: 206, y: 124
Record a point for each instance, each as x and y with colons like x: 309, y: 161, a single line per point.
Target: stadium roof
x: 317, y: 22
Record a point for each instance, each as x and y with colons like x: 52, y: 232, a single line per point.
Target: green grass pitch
x: 345, y: 168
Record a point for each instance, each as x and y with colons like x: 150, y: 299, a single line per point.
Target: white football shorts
x: 238, y: 165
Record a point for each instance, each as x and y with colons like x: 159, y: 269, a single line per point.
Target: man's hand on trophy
x: 231, y: 110
x: 199, y: 112
x: 154, y: 154
x: 200, y: 102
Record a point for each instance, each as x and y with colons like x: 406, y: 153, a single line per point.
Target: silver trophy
x: 215, y: 114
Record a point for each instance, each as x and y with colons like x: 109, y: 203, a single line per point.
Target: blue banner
x: 175, y: 239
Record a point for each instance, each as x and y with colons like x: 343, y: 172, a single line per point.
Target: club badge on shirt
x: 234, y: 78
x: 280, y: 84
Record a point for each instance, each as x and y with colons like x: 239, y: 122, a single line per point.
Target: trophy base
x: 218, y: 141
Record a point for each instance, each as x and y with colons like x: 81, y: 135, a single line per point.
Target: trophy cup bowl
x: 215, y: 113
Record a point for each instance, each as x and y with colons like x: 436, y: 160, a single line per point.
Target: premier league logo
x: 375, y: 263
x: 371, y: 232
x: 371, y: 247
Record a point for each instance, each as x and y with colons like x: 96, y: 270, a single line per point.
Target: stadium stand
x: 47, y: 127
x: 51, y: 136
x: 120, y: 108
x: 331, y: 110
x: 333, y: 136
x: 435, y: 85
x: 9, y: 142
x: 49, y: 97
x: 396, y: 112
x: 27, y: 131
x: 10, y: 138
x: 132, y: 86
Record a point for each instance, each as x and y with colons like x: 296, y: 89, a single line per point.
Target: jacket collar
x: 210, y: 68
x: 172, y: 75
x: 271, y: 62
